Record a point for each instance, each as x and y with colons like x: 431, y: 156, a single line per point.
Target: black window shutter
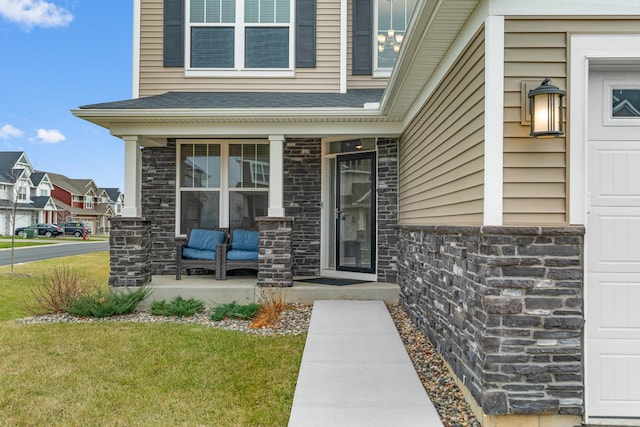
x: 362, y: 37
x: 305, y: 33
x: 173, y: 52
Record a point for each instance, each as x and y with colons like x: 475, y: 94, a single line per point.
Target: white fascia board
x: 216, y: 113
x: 564, y: 7
x: 260, y: 130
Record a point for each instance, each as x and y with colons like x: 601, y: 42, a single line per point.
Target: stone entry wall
x: 504, y: 307
x: 302, y: 194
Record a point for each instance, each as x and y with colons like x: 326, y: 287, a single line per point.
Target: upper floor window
x: 88, y: 204
x: 22, y: 194
x: 239, y: 35
x: 391, y: 25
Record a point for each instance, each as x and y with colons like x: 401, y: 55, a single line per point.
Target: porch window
x: 223, y: 185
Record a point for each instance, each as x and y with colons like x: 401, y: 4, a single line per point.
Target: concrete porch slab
x: 243, y: 290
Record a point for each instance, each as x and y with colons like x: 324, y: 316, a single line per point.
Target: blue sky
x: 57, y: 55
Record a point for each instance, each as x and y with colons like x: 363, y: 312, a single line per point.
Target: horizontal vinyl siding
x: 155, y: 79
x: 442, y: 149
x: 536, y: 170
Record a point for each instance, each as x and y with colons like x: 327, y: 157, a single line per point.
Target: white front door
x: 612, y: 281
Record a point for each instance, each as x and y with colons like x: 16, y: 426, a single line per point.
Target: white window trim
x: 239, y: 29
x: 224, y: 189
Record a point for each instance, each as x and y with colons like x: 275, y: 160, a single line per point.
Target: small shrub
x: 106, y: 304
x: 234, y: 311
x: 57, y: 289
x: 273, y: 301
x: 178, y: 306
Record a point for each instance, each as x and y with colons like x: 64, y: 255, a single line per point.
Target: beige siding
x: 536, y: 170
x: 442, y: 150
x: 155, y: 79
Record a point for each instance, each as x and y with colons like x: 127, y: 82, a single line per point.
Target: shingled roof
x: 238, y: 100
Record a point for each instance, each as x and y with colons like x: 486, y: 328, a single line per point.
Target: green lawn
x: 136, y: 374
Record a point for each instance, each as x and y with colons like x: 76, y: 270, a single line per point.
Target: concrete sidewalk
x: 355, y: 371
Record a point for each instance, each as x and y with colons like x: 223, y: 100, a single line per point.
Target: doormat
x: 334, y: 282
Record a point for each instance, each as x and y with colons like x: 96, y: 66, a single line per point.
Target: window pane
x: 267, y: 10
x: 248, y: 166
x: 199, y: 209
x: 392, y: 24
x: 245, y: 207
x: 626, y: 103
x: 252, y: 11
x: 212, y: 47
x: 283, y: 11
x: 213, y: 11
x: 200, y: 165
x: 267, y: 47
x: 197, y: 10
x: 228, y: 11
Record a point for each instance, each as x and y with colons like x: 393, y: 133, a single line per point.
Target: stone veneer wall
x: 504, y: 307
x: 159, y: 205
x: 275, y: 258
x: 129, y: 252
x: 387, y: 192
x: 302, y: 201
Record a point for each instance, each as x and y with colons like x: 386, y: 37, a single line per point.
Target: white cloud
x: 8, y: 131
x: 52, y: 136
x: 35, y: 13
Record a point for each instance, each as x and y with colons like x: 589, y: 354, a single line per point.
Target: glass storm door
x: 355, y: 213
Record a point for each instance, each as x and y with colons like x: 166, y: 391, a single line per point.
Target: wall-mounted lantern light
x: 546, y: 102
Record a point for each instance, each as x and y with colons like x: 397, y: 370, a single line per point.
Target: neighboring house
x: 113, y: 197
x: 405, y: 156
x: 77, y: 200
x: 24, y: 189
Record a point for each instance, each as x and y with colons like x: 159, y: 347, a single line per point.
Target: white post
x: 494, y: 120
x: 276, y: 171
x: 132, y: 177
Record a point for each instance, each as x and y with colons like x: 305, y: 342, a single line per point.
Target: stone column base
x: 129, y: 252
x: 275, y: 267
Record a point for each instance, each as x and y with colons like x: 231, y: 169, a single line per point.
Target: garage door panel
x: 608, y: 378
x: 618, y: 235
x: 615, y: 180
x: 613, y: 308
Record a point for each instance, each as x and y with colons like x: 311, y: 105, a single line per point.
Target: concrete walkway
x: 355, y: 371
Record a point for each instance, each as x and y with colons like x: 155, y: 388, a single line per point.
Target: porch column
x: 132, y: 177
x: 276, y: 171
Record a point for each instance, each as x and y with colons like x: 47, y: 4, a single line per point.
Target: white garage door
x: 23, y: 220
x: 613, y: 245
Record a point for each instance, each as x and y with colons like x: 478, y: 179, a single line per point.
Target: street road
x: 35, y: 253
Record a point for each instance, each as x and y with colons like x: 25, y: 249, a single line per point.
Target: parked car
x: 47, y: 230
x: 75, y: 228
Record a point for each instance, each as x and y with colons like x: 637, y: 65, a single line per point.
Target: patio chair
x: 199, y: 251
x: 241, y: 252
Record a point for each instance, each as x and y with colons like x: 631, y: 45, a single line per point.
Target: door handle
x: 338, y: 212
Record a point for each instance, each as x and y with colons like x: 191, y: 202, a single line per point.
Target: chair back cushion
x: 245, y: 240
x: 205, y: 240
